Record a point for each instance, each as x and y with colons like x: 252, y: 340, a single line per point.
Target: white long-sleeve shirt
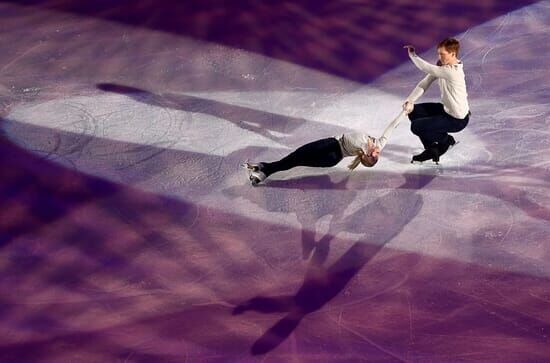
x: 452, y: 84
x: 355, y: 142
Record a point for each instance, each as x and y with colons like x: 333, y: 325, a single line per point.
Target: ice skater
x: 327, y: 152
x: 432, y: 122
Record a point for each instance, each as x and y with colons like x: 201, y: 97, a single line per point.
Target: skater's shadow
x: 383, y: 218
x: 311, y: 206
x: 329, y: 180
x: 270, y: 125
x: 306, y: 197
x: 319, y: 287
x: 485, y: 183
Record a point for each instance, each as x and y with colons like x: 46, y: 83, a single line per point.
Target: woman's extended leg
x: 321, y: 153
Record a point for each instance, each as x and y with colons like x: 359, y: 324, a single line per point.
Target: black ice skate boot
x: 442, y: 148
x: 430, y: 153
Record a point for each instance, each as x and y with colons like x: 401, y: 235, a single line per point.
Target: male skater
x: 432, y: 122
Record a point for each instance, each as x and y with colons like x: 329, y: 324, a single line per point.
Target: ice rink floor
x: 129, y: 233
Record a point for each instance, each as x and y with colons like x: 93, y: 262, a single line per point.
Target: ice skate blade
x: 426, y: 163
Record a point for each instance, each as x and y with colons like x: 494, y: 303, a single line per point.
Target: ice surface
x: 129, y: 232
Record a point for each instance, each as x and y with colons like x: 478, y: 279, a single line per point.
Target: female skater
x: 326, y: 153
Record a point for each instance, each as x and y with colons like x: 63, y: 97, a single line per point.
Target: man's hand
x: 408, y: 107
x: 410, y: 48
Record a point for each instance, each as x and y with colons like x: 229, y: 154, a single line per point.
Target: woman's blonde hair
x: 369, y: 163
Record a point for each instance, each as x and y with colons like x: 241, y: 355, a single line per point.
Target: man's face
x: 445, y: 57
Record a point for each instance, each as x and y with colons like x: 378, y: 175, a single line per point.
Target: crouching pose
x: 432, y: 122
x: 327, y: 152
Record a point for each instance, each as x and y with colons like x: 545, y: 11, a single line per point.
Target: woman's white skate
x: 255, y: 175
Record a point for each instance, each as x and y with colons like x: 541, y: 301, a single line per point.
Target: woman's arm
x: 382, y: 140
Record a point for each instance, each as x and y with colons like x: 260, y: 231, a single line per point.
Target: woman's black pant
x: 431, y: 123
x: 321, y: 153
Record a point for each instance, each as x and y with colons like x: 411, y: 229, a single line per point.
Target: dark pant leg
x: 432, y: 124
x: 421, y: 114
x: 321, y: 153
x: 435, y: 129
x: 422, y: 110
